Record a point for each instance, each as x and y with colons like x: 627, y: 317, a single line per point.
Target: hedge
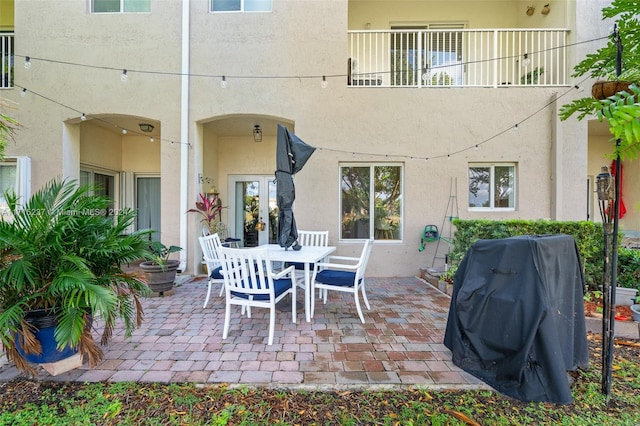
x: 588, y: 236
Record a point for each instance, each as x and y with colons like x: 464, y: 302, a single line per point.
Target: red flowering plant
x: 210, y: 208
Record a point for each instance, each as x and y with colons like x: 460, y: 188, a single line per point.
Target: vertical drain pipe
x: 184, y: 135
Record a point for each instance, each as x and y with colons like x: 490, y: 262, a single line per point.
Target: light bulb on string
x: 525, y: 60
x: 324, y: 83
x: 425, y: 76
x: 124, y: 77
x: 151, y: 139
x: 27, y: 62
x: 23, y: 93
x: 124, y: 131
x: 83, y: 117
x: 224, y: 83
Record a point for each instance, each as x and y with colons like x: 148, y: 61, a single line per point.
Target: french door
x: 253, y: 211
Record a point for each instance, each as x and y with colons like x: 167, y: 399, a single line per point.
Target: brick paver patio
x: 400, y: 344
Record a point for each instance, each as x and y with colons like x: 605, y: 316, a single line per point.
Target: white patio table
x: 306, y: 255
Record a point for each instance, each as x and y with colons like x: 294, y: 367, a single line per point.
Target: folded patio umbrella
x: 291, y: 155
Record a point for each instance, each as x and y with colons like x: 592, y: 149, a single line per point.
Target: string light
x: 27, y: 58
x: 23, y: 93
x: 151, y: 139
x: 27, y: 62
x: 124, y: 77
x: 324, y: 84
x: 526, y: 61
x: 83, y: 117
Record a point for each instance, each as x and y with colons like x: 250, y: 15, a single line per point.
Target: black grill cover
x: 516, y: 319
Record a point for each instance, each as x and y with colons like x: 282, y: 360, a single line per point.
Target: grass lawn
x: 25, y: 402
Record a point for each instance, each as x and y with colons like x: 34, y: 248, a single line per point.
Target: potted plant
x: 635, y: 309
x: 621, y: 109
x: 160, y: 271
x: 60, y: 268
x: 209, y: 208
x: 628, y: 277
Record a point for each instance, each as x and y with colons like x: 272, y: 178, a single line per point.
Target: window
x: 492, y: 186
x: 371, y: 201
x: 119, y: 6
x: 15, y: 175
x: 104, y: 186
x: 6, y: 60
x: 241, y: 5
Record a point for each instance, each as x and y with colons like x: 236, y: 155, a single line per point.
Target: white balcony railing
x: 458, y: 57
x: 6, y: 60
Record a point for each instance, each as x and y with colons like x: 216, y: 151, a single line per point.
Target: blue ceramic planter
x: 45, y: 325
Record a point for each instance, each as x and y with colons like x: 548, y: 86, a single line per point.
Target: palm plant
x: 62, y: 253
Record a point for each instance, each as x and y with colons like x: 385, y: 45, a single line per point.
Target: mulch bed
x: 594, y: 309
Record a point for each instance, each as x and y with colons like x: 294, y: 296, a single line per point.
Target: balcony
x: 458, y: 58
x: 6, y: 60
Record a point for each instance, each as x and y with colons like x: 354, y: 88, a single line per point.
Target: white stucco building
x: 419, y: 110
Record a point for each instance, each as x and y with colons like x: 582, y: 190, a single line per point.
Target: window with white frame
x: 120, y: 6
x: 371, y: 201
x: 492, y: 186
x: 241, y: 5
x: 15, y: 176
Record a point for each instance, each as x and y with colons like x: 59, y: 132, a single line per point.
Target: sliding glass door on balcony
x: 430, y: 56
x: 436, y: 57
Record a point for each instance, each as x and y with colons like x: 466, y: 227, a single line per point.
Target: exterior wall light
x: 257, y: 133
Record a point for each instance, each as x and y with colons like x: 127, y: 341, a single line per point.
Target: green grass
x: 26, y: 402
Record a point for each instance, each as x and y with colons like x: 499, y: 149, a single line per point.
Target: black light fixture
x: 146, y: 127
x: 257, y: 133
x: 604, y: 185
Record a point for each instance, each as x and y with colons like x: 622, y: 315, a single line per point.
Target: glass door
x: 148, y: 205
x: 253, y: 214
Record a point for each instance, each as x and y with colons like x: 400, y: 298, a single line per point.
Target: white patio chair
x: 308, y: 238
x: 250, y: 282
x: 345, y: 274
x: 210, y: 245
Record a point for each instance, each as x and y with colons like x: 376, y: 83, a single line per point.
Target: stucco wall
x: 300, y: 42
x: 478, y: 13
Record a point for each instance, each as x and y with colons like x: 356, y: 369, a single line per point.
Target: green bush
x: 588, y: 236
x: 628, y: 268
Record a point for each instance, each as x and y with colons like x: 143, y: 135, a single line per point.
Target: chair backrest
x: 222, y: 231
x: 313, y: 238
x: 364, y: 259
x: 211, y: 245
x: 247, y: 271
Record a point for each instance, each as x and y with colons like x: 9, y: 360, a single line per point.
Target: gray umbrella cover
x: 291, y: 155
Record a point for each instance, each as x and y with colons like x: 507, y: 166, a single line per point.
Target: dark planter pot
x: 45, y: 324
x: 160, y: 278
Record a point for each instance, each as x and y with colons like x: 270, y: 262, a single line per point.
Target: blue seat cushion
x: 279, y: 286
x: 299, y: 265
x: 216, y: 274
x: 337, y: 278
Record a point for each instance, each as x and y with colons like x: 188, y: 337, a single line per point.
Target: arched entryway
x: 120, y: 155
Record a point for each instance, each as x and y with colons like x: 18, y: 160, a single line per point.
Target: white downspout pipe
x: 184, y: 135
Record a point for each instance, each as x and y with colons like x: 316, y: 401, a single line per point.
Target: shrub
x: 588, y: 236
